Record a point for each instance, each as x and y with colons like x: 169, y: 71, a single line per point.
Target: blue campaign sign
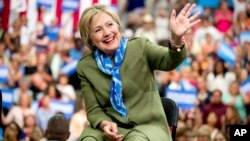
x: 209, y: 3
x: 70, y: 5
x: 244, y: 37
x: 52, y: 32
x: 197, y: 9
x: 226, y: 53
x: 245, y: 86
x: 4, y: 71
x: 44, y: 3
x: 7, y: 98
x: 69, y: 68
x: 67, y: 108
x: 184, y: 99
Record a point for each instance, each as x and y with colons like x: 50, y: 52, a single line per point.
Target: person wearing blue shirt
x: 52, y: 31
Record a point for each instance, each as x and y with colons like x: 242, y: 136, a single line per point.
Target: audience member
x: 39, y: 39
x: 220, y: 78
x: 206, y: 27
x: 162, y: 25
x: 41, y: 76
x: 175, y: 82
x: 234, y: 98
x: 12, y: 37
x: 211, y: 123
x: 147, y: 29
x: 16, y: 72
x: 44, y: 112
x: 203, y: 97
x: 78, y: 123
x: 31, y: 130
x: 13, y: 132
x: 18, y: 112
x: 67, y: 90
x: 58, y: 128
x: 53, y: 92
x: 181, y: 134
x: 220, y: 136
x: 231, y: 117
x: 215, y: 106
x: 223, y: 17
x: 24, y: 88
x: 203, y: 134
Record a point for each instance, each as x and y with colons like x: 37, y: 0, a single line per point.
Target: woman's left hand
x: 181, y: 23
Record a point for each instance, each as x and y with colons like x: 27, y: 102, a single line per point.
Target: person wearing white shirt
x: 67, y: 90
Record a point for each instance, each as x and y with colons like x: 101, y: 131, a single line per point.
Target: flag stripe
x: 59, y: 11
x: 5, y: 14
x: 54, y: 10
x: 75, y: 19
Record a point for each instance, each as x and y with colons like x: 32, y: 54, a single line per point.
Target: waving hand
x: 181, y: 23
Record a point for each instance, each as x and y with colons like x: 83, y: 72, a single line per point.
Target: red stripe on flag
x: 114, y: 2
x: 94, y: 1
x: 5, y: 14
x: 24, y: 13
x: 59, y: 11
x: 76, y: 18
x: 40, y: 14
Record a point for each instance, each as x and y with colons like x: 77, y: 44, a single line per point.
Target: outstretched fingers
x: 189, y: 11
x: 185, y: 9
x: 194, y: 17
x: 173, y: 15
x: 194, y: 22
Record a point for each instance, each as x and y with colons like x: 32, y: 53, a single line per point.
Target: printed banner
x: 7, y: 97
x: 184, y: 99
x: 244, y: 37
x: 197, y: 9
x: 226, y: 53
x: 208, y: 3
x: 69, y: 68
x: 187, y: 86
x: 4, y: 71
x: 245, y: 86
x: 44, y: 3
x: 70, y: 5
x: 67, y: 108
x: 18, y: 5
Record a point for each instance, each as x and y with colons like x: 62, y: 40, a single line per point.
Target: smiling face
x: 104, y: 33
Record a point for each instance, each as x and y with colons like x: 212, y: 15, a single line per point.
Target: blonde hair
x: 86, y: 18
x: 29, y: 99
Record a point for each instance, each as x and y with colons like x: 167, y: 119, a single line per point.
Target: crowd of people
x: 35, y: 70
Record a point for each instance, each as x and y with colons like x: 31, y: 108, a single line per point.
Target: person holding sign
x: 18, y: 112
x: 117, y: 79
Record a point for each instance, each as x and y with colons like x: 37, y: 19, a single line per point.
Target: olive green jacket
x: 140, y: 93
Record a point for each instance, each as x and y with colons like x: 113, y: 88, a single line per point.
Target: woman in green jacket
x: 117, y: 79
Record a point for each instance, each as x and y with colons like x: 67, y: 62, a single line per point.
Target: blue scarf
x: 104, y: 63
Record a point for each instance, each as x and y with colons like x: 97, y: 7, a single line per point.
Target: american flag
x: 67, y: 12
